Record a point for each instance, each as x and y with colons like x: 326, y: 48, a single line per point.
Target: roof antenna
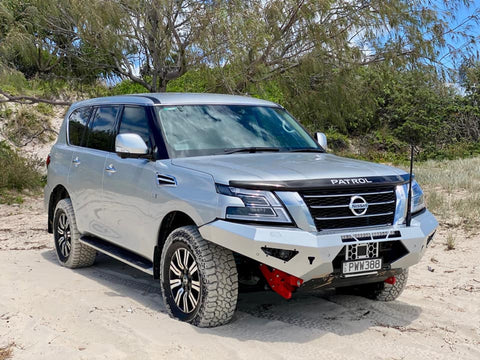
x: 409, y: 197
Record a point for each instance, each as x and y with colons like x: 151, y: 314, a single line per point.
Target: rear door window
x: 135, y: 121
x: 101, y: 130
x: 77, y: 122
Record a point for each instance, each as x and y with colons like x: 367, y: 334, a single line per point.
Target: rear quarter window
x: 77, y: 122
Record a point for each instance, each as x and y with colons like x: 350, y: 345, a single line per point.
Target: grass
x: 10, y: 197
x: 450, y: 242
x: 6, y: 352
x: 452, y: 189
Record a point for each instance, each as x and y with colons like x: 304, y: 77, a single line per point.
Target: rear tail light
x: 47, y: 162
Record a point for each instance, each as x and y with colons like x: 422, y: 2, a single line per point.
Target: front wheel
x: 199, y: 279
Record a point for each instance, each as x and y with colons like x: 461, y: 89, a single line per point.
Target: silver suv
x: 209, y: 193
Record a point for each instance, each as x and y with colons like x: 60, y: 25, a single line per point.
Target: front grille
x: 330, y: 207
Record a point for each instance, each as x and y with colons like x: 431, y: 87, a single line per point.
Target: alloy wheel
x: 64, y: 236
x: 184, y: 280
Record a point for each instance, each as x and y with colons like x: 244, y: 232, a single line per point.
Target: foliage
x: 196, y: 81
x: 26, y: 124
x: 45, y: 109
x: 29, y: 43
x: 366, y: 73
x: 18, y: 173
x: 127, y: 87
x: 337, y: 142
x: 153, y: 42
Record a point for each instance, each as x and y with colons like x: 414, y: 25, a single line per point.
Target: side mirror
x: 130, y: 145
x: 321, y: 139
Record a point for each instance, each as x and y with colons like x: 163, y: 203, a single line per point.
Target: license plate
x: 356, y: 266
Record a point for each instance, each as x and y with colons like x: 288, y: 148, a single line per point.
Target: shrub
x: 193, y: 81
x: 45, y: 109
x: 18, y: 173
x: 337, y: 141
x: 128, y: 87
x: 26, y: 124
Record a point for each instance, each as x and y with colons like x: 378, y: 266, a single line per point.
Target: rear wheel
x: 70, y: 251
x: 198, y: 278
x: 388, y: 290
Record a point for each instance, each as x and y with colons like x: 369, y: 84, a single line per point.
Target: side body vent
x: 163, y: 180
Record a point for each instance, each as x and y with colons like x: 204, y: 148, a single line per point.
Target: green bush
x: 13, y: 82
x: 128, y: 87
x: 45, y: 109
x: 269, y: 90
x: 195, y: 81
x: 336, y: 141
x: 17, y: 173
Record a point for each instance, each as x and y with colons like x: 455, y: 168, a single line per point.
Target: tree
x: 29, y: 45
x: 244, y: 42
x: 147, y: 41
x: 261, y: 39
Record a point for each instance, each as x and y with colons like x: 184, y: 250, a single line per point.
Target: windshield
x: 194, y: 130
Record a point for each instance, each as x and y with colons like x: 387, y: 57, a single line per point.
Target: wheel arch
x: 57, y: 194
x: 173, y: 220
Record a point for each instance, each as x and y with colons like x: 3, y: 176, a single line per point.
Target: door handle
x: 111, y: 169
x: 76, y: 161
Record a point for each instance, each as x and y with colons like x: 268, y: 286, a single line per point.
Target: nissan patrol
x: 211, y: 192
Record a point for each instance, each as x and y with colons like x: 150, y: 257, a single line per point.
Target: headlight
x: 418, y: 199
x: 259, y: 205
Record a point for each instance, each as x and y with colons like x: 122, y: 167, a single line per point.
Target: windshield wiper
x: 252, y: 149
x: 307, y: 150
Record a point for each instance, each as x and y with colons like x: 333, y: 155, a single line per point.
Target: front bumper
x: 323, y: 247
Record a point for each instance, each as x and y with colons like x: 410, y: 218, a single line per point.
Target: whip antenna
x: 409, y: 197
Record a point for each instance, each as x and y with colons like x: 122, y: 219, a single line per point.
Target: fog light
x: 282, y: 254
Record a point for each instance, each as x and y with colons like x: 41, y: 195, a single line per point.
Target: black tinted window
x: 135, y: 120
x: 101, y: 128
x: 76, y: 125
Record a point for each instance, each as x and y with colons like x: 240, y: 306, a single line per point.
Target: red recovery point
x: 391, y: 280
x: 281, y: 282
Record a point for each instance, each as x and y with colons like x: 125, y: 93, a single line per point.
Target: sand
x: 111, y: 311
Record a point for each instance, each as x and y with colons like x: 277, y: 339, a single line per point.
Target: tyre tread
x: 81, y: 255
x: 392, y: 292
x: 220, y: 278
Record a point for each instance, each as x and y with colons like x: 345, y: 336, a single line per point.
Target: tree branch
x: 29, y: 100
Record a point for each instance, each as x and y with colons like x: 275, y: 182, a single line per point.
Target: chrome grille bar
x: 343, y: 206
x: 345, y: 195
x: 353, y: 217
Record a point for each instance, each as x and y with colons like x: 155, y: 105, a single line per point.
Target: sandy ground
x: 111, y: 311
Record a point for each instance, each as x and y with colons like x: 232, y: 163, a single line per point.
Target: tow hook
x: 281, y: 282
x: 391, y: 280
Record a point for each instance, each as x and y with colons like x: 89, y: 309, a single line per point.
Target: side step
x: 119, y: 253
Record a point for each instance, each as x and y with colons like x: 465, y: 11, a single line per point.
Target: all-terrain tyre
x: 70, y: 251
x: 380, y: 291
x: 388, y: 292
x: 199, y: 279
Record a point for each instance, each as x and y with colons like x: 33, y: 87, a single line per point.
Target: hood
x: 283, y: 167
